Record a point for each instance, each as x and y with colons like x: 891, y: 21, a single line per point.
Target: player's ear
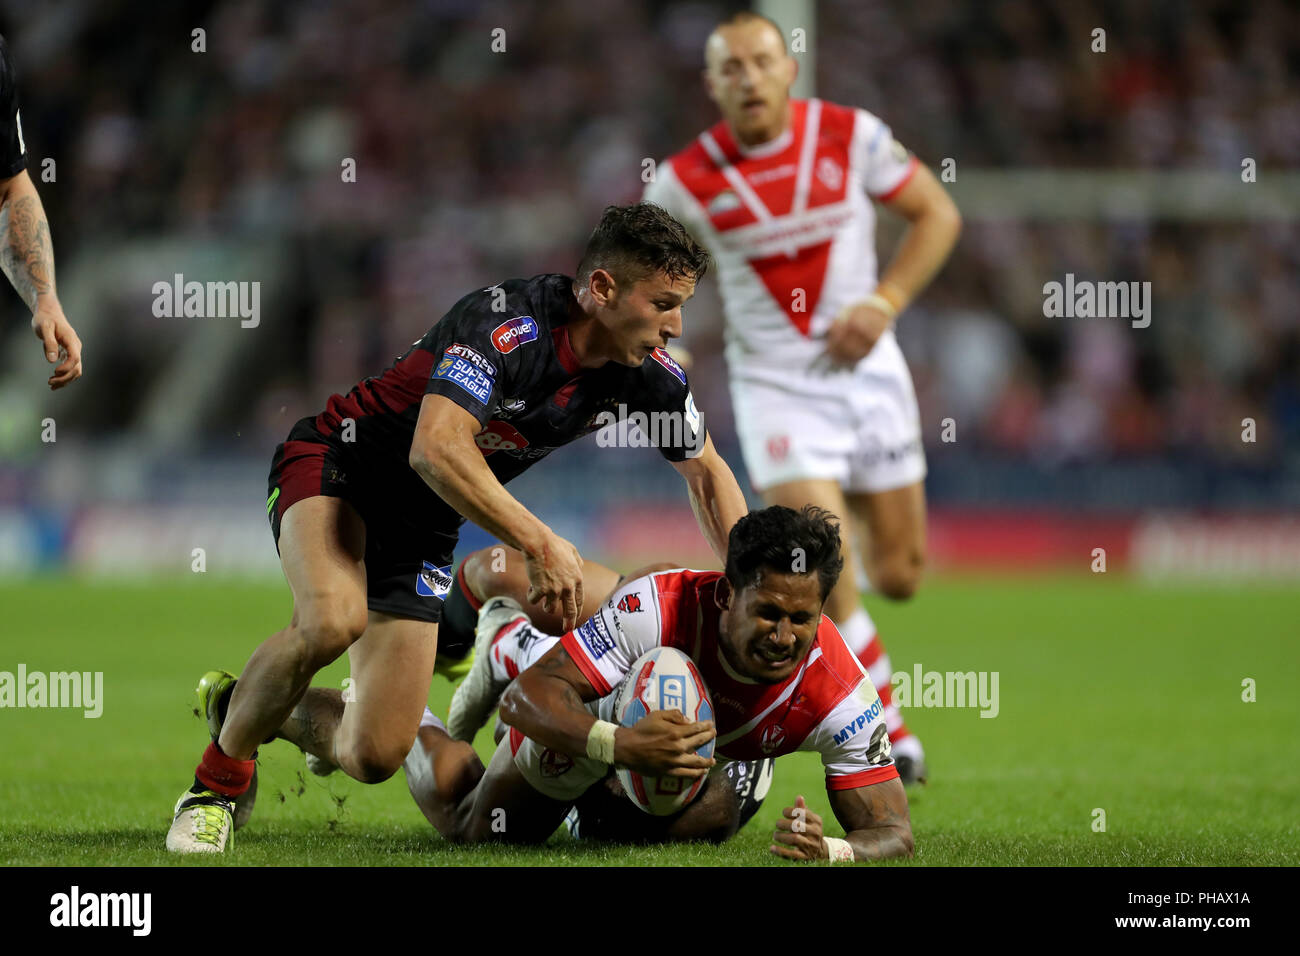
x: 792, y: 70
x: 602, y: 286
x: 722, y: 594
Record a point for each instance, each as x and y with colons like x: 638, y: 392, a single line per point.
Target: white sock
x: 858, y: 630
x: 430, y: 719
x: 518, y: 649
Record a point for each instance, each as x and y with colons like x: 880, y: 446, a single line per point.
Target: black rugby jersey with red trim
x: 13, y: 151
x: 503, y: 354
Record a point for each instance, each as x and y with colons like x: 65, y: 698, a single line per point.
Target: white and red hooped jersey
x: 827, y: 705
x: 790, y: 224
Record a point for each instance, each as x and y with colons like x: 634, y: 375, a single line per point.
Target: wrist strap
x: 878, y: 301
x: 838, y: 850
x: 600, y: 741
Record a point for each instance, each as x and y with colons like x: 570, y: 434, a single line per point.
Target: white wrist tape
x: 878, y: 301
x: 600, y: 741
x: 838, y: 850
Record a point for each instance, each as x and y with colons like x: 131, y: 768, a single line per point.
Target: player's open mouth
x: 772, y: 655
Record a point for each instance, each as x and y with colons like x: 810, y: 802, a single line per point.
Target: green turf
x: 1112, y: 695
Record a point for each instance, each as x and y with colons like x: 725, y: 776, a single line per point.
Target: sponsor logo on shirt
x: 467, y: 375
x: 464, y: 351
x: 858, y: 722
x: 595, y: 635
x: 512, y: 333
x: 630, y: 604
x: 666, y: 360
x: 499, y: 436
x: 433, y: 581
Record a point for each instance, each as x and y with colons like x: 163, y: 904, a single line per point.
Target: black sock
x: 458, y: 622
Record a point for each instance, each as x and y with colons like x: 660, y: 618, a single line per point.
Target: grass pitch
x: 1113, y: 697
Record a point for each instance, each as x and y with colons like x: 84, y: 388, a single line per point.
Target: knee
x: 369, y: 760
x: 899, y: 574
x: 494, y: 571
x: 325, y: 628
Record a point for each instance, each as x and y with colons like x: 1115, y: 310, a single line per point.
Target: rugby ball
x: 662, y: 679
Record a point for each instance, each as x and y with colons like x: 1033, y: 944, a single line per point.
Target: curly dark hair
x: 784, y: 540
x: 634, y: 242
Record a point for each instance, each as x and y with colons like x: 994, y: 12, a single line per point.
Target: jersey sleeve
x: 626, y: 626
x: 853, y: 741
x: 667, y: 191
x: 478, y: 349
x: 664, y: 410
x: 884, y: 165
x: 13, y: 151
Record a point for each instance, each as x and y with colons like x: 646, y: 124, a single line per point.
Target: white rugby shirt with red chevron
x: 827, y: 705
x: 790, y: 223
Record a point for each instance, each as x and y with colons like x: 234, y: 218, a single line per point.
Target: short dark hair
x: 769, y: 539
x: 634, y: 242
x: 749, y: 16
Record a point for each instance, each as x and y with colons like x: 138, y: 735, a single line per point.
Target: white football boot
x: 203, y: 823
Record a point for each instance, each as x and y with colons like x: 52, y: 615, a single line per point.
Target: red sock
x: 474, y: 602
x: 224, y: 774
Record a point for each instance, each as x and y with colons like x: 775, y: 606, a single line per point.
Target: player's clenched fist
x: 854, y: 333
x: 663, y: 744
x: 798, y: 834
x: 555, y: 579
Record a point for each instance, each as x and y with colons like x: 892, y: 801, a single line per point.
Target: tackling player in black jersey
x: 366, y: 499
x: 26, y: 252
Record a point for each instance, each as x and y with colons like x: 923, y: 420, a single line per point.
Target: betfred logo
x: 507, y: 336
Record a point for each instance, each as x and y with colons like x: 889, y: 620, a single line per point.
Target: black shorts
x: 408, y: 552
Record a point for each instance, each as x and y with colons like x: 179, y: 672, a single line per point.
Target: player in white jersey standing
x: 780, y: 192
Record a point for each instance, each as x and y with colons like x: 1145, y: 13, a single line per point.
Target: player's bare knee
x: 325, y: 629
x: 899, y: 577
x: 494, y: 571
x: 370, y: 761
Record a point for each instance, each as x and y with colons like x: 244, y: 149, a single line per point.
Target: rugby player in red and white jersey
x: 780, y: 191
x: 781, y: 680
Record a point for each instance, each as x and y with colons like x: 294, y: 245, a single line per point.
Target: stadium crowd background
x: 474, y: 165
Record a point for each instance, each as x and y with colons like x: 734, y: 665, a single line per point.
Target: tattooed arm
x: 27, y: 258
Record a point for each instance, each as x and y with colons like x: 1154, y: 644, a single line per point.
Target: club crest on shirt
x: 725, y: 201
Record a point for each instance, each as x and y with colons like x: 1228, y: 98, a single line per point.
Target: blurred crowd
x: 487, y: 136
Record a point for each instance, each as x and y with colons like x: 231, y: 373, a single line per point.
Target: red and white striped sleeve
x: 627, y: 625
x: 853, y: 741
x: 883, y: 164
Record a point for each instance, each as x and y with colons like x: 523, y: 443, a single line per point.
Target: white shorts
x: 552, y: 773
x: 860, y: 427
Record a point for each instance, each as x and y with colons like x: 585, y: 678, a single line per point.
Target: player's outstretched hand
x: 798, y: 833
x: 61, y: 343
x: 855, y: 332
x: 663, y: 744
x: 555, y: 579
